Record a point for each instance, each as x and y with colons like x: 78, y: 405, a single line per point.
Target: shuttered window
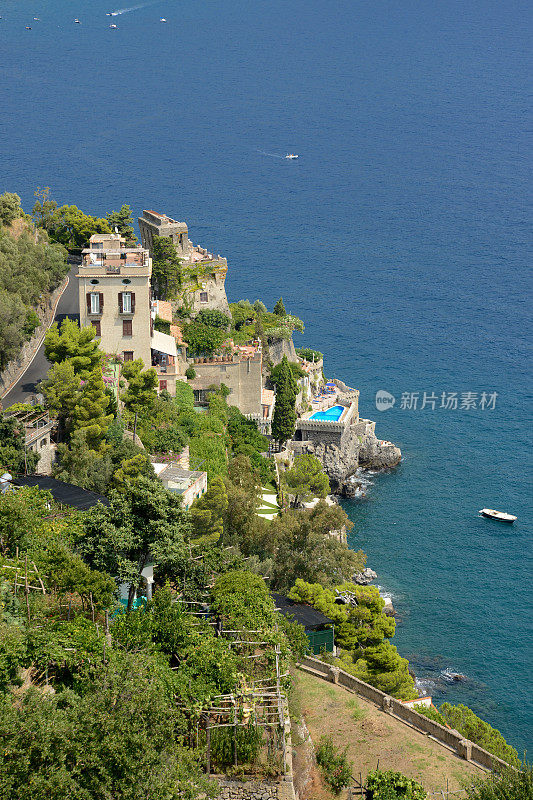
x: 128, y: 355
x: 127, y: 327
x: 126, y: 302
x: 97, y: 326
x: 95, y: 302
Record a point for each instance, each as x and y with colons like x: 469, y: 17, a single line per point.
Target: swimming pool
x: 333, y: 414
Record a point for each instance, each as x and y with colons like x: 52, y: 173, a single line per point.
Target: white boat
x: 501, y: 515
x: 77, y: 21
x: 162, y: 19
x: 291, y: 155
x: 112, y: 26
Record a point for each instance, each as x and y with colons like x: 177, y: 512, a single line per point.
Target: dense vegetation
x: 30, y: 269
x: 510, y: 785
x: 462, y: 719
x: 390, y: 785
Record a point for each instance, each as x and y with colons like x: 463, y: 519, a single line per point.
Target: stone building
x: 241, y: 372
x: 206, y: 273
x: 115, y: 298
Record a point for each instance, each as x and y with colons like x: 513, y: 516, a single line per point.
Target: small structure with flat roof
x: 319, y: 629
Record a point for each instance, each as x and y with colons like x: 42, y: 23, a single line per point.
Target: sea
x: 400, y: 236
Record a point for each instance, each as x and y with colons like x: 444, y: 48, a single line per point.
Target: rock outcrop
x: 365, y: 577
x: 340, y: 462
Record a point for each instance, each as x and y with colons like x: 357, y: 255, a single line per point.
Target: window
x: 126, y: 302
x: 95, y: 282
x: 95, y: 303
x: 203, y: 297
x: 162, y: 385
x: 97, y: 246
x: 126, y: 281
x: 128, y: 355
x: 127, y: 327
x: 97, y: 327
x: 44, y: 442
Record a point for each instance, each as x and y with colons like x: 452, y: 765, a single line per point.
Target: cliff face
x: 365, y: 450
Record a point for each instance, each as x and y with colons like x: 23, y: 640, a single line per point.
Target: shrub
x: 190, y: 373
x: 389, y: 785
x: 511, y: 784
x: 336, y: 768
x: 162, y: 325
x: 213, y: 318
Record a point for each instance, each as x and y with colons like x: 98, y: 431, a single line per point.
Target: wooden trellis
x: 25, y: 574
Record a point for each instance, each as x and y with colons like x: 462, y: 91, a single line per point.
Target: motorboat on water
x: 291, y: 155
x: 490, y: 513
x: 113, y: 26
x: 77, y: 22
x: 162, y: 19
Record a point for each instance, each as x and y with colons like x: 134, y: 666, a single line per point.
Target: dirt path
x: 373, y: 735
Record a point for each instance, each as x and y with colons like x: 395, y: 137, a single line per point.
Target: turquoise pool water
x: 333, y: 414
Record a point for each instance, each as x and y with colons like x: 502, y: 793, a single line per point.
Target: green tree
x: 10, y: 208
x: 141, y: 395
x: 190, y: 373
x: 166, y: 268
x: 13, y: 454
x: 131, y: 469
x: 122, y: 221
x: 61, y: 389
x: 296, y: 370
x: 279, y: 308
x: 12, y: 317
x: 302, y: 548
x: 284, y: 419
x: 306, y: 478
x: 83, y: 466
x: 44, y: 208
x: 68, y: 341
x: 89, y: 412
x: 208, y: 512
x: 147, y: 522
x: 72, y: 228
x: 463, y: 719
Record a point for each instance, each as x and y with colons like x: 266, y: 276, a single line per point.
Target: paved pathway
x: 27, y: 383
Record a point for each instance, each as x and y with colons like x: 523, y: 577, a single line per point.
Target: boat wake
x: 120, y: 11
x: 271, y: 155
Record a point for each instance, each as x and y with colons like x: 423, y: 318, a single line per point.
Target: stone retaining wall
x: 255, y: 789
x: 441, y: 734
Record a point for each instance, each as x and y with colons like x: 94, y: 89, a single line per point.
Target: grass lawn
x: 269, y: 504
x: 371, y: 735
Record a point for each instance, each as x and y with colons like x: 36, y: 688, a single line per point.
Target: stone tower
x: 205, y: 286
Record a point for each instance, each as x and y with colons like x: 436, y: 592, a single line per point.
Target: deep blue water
x: 400, y: 237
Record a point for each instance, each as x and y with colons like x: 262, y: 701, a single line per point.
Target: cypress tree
x: 279, y: 308
x: 284, y: 420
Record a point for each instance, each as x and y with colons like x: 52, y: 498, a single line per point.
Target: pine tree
x: 77, y: 345
x: 140, y: 394
x: 284, y: 420
x: 89, y: 411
